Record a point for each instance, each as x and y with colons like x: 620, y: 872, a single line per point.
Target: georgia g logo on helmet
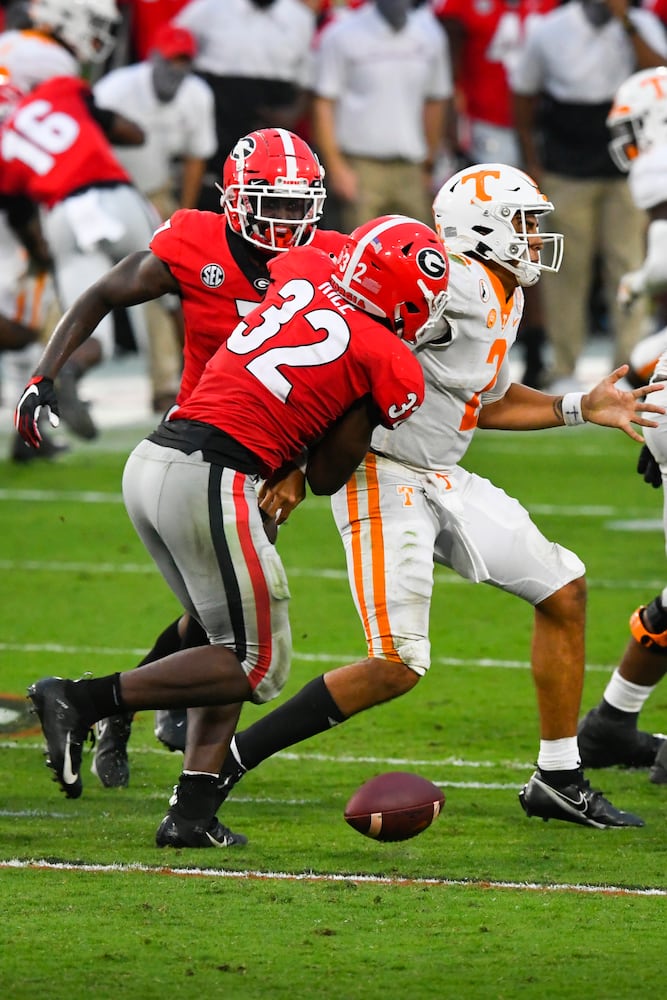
x: 244, y: 148
x: 432, y: 263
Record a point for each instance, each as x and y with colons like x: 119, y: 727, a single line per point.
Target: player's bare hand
x: 278, y: 496
x: 610, y: 406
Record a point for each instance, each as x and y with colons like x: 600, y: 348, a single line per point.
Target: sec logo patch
x: 212, y: 275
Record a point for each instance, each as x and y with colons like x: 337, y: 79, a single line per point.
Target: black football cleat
x: 171, y: 727
x: 576, y: 803
x: 63, y: 730
x: 608, y: 742
x: 110, y: 763
x: 658, y: 772
x: 175, y: 831
x: 73, y: 410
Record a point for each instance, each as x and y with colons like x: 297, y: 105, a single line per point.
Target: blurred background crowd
x: 395, y: 96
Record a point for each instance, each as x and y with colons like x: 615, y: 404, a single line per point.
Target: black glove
x: 649, y: 468
x: 38, y: 393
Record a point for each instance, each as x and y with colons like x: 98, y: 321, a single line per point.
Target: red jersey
x: 220, y: 282
x: 493, y: 31
x: 51, y: 145
x: 657, y: 7
x: 298, y: 362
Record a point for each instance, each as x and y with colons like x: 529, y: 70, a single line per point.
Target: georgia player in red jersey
x: 325, y: 339
x: 272, y: 198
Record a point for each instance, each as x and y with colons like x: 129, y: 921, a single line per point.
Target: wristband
x: 571, y: 407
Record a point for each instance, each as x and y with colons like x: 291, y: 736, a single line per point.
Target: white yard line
x: 605, y: 890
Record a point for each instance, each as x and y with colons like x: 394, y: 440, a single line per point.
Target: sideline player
x: 315, y: 366
x: 410, y: 503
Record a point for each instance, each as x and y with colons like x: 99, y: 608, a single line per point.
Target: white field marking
x: 446, y: 577
x: 340, y: 659
x: 317, y: 503
x: 606, y: 890
x: 290, y: 755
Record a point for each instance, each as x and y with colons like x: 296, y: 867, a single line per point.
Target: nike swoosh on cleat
x: 68, y: 775
x: 216, y: 843
x: 579, y: 805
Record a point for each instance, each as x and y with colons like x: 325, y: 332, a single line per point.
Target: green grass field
x: 484, y: 904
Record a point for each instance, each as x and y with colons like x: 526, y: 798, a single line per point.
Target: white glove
x: 630, y: 287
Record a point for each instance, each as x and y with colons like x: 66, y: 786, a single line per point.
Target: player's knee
x: 415, y: 656
x: 568, y: 603
x: 393, y: 678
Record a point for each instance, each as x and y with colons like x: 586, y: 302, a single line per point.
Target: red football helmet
x: 10, y: 95
x: 395, y: 268
x: 273, y: 189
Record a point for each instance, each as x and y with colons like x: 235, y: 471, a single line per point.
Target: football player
x: 65, y: 35
x: 410, y: 503
x: 316, y: 366
x: 272, y: 198
x: 56, y: 151
x: 609, y: 733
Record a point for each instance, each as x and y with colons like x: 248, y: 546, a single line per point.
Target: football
x: 394, y: 806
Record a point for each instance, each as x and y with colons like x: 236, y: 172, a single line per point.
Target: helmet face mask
x: 85, y: 26
x: 486, y: 209
x: 273, y: 190
x: 395, y: 269
x: 638, y: 117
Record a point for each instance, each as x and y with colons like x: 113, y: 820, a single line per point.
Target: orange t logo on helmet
x: 479, y: 177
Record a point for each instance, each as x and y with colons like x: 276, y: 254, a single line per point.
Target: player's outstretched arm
x: 139, y: 277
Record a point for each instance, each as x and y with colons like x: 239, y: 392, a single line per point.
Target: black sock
x: 559, y: 779
x: 167, y: 642
x: 608, y: 711
x: 312, y: 710
x: 196, y: 796
x: 97, y: 698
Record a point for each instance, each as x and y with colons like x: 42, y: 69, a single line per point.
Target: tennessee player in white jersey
x: 637, y: 124
x: 609, y: 733
x: 64, y: 34
x: 410, y: 503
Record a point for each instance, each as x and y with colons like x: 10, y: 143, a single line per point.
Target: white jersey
x: 647, y: 179
x: 464, y: 369
x: 31, y: 58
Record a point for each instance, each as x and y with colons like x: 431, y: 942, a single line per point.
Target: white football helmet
x: 474, y: 212
x: 638, y: 116
x: 85, y: 26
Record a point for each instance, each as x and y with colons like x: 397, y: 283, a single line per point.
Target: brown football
x: 394, y: 806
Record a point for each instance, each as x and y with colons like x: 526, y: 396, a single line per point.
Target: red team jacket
x: 298, y: 362
x: 51, y: 146
x: 220, y: 281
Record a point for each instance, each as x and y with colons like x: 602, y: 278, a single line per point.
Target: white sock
x: 624, y: 695
x: 559, y: 755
